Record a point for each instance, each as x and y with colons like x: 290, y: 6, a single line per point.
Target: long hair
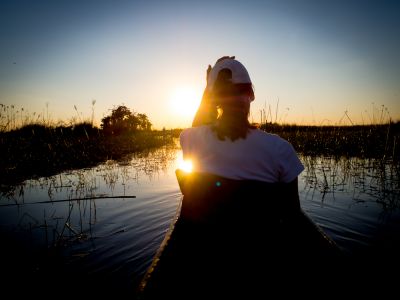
x: 234, y: 105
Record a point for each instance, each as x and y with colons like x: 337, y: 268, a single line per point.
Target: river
x: 105, y: 238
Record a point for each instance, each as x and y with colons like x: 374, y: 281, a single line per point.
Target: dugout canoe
x: 231, y: 236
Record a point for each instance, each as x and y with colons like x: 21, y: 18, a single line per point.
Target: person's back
x: 225, y: 143
x: 260, y: 156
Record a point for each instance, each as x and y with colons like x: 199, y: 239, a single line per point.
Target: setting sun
x: 185, y: 101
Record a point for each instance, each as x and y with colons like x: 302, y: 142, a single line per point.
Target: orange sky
x: 319, y: 60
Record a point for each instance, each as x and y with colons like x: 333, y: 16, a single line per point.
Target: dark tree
x: 144, y: 123
x: 123, y: 120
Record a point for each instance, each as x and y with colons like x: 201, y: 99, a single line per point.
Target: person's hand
x: 224, y: 57
x: 208, y: 72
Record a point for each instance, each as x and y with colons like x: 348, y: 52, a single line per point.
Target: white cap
x: 239, y: 72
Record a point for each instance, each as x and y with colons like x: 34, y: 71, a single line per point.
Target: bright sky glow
x: 184, y: 102
x: 310, y: 61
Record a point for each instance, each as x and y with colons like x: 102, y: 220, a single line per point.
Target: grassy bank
x: 363, y: 141
x: 41, y: 150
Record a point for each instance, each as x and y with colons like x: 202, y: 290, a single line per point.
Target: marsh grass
x: 365, y: 178
x: 380, y: 141
x: 365, y: 158
x: 39, y: 150
x: 34, y: 145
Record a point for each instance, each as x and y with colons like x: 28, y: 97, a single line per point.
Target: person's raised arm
x: 207, y: 112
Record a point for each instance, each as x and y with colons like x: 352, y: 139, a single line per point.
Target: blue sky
x: 319, y: 58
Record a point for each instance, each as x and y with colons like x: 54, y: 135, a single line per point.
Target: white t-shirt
x: 261, y: 156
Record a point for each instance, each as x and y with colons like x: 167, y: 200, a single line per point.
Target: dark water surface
x: 107, y: 244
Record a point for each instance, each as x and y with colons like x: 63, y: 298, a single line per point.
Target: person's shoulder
x: 271, y: 141
x: 269, y: 137
x: 194, y: 130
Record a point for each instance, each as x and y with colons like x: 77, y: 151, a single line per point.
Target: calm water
x: 113, y: 240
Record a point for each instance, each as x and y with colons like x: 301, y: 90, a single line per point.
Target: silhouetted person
x: 241, y: 230
x: 223, y: 142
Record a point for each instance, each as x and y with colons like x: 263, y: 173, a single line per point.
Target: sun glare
x: 185, y: 101
x: 185, y: 165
